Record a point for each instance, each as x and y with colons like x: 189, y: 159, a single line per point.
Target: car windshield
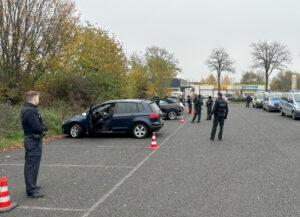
x: 154, y: 107
x: 297, y: 97
x: 275, y: 95
x: 176, y: 94
x: 260, y: 95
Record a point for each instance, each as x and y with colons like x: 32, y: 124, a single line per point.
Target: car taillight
x: 179, y: 106
x: 154, y: 116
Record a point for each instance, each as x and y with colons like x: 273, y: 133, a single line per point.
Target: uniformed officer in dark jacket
x: 209, y: 104
x: 189, y: 101
x: 220, y: 112
x: 197, y: 107
x: 248, y: 101
x: 34, y: 129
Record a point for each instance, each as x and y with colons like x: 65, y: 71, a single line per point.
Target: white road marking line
x: 52, y: 209
x: 91, y: 146
x: 70, y: 165
x: 111, y: 191
x: 121, y: 147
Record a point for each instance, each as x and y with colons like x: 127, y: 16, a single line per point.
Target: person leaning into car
x: 106, y: 120
x: 34, y: 128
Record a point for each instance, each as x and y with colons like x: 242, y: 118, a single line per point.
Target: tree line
x: 43, y: 46
x: 267, y: 57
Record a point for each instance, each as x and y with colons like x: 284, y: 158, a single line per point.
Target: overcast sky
x: 190, y: 29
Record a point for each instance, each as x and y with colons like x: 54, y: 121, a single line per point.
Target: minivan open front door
x: 89, y: 124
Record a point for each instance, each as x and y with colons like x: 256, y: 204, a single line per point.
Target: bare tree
x: 32, y: 34
x: 220, y: 61
x: 270, y: 57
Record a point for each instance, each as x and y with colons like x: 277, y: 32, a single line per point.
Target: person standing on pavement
x: 220, y: 112
x: 197, y: 107
x: 34, y: 129
x: 189, y: 102
x: 209, y: 104
x: 248, y: 101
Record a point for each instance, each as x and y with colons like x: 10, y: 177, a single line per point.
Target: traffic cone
x: 182, y: 120
x: 5, y: 204
x: 186, y: 110
x: 192, y: 111
x: 153, y: 143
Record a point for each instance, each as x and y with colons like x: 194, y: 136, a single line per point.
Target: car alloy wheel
x: 75, y: 131
x: 140, y: 131
x: 172, y: 115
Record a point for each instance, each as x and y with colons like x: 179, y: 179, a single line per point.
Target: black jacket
x: 249, y: 99
x: 198, y: 103
x: 220, y: 108
x: 32, y: 121
x: 209, y: 103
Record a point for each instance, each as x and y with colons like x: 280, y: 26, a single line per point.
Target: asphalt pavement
x: 253, y: 172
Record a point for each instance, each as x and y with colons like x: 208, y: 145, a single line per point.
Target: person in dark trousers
x: 209, y: 104
x: 34, y: 129
x: 248, y: 101
x: 189, y: 102
x: 197, y: 107
x: 220, y: 112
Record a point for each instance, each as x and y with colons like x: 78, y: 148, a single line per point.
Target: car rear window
x: 128, y: 107
x: 140, y: 107
x: 154, y: 108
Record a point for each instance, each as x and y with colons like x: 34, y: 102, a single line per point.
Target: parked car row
x: 285, y: 103
x: 137, y: 117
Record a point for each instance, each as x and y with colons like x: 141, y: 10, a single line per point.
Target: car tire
x: 172, y: 115
x: 140, y: 131
x: 75, y: 131
x: 294, y: 115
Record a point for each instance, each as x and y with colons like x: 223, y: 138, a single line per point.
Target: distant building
x: 212, y: 90
x: 181, y: 85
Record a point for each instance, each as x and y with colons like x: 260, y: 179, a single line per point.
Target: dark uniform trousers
x: 209, y: 110
x: 197, y: 113
x: 190, y: 108
x: 217, y: 120
x: 33, y: 154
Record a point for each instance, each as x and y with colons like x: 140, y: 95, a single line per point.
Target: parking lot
x: 254, y: 171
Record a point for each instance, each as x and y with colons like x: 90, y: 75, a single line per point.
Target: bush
x: 11, y: 131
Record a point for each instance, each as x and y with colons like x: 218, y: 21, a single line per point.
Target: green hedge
x: 11, y: 132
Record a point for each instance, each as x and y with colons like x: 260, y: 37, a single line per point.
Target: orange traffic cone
x: 192, y: 111
x: 5, y: 204
x: 153, y: 143
x: 182, y: 120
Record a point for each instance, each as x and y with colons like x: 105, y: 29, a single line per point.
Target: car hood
x: 76, y: 118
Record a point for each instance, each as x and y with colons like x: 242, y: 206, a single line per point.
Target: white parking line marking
x: 52, y: 209
x: 121, y: 147
x: 90, y: 146
x: 111, y: 191
x: 70, y: 165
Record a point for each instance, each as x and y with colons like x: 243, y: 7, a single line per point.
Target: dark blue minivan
x: 138, y: 117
